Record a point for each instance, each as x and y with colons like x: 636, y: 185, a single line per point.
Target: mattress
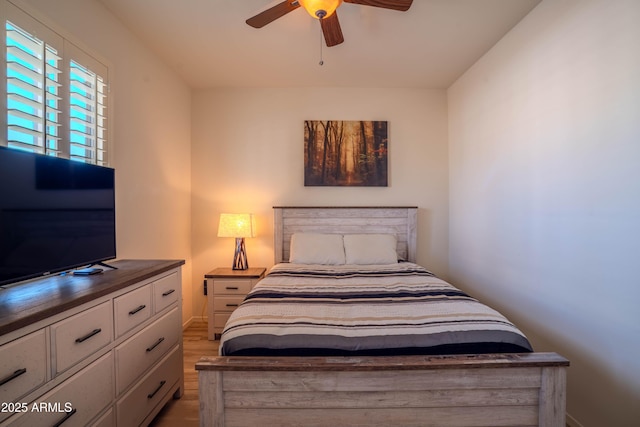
x: 393, y: 309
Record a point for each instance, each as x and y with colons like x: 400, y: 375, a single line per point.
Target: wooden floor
x: 183, y: 412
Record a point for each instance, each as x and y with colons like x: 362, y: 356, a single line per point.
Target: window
x: 56, y: 94
x: 87, y: 109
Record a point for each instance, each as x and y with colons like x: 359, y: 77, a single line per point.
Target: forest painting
x: 345, y: 153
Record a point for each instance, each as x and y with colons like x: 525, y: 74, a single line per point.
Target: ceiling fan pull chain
x: 321, y: 63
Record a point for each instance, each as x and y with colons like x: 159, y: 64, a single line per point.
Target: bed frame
x: 463, y: 390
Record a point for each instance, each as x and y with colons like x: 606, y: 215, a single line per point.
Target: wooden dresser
x: 101, y: 350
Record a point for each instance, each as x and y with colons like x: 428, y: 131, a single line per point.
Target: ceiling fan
x: 325, y: 11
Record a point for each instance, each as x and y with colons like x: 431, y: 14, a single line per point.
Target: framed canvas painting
x: 345, y: 153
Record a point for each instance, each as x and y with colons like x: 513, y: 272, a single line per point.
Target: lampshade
x: 237, y: 225
x: 320, y: 8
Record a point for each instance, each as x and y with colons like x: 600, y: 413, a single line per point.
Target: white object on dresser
x: 113, y: 360
x: 226, y: 289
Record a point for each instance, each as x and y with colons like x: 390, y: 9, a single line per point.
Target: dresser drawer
x: 106, y: 420
x: 143, y: 398
x: 220, y: 320
x: 81, y: 335
x: 226, y: 303
x: 166, y: 291
x: 131, y: 309
x: 23, y: 366
x: 142, y: 350
x: 231, y: 286
x: 84, y: 395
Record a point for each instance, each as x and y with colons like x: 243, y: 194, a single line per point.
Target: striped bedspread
x: 364, y: 310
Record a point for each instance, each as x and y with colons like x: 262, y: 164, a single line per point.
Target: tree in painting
x: 345, y: 153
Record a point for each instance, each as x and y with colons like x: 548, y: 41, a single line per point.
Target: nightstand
x: 226, y: 289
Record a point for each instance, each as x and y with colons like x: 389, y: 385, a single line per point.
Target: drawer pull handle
x: 231, y: 288
x: 153, y: 393
x: 135, y: 310
x: 66, y: 417
x: 169, y: 292
x: 13, y: 376
x: 232, y: 305
x: 89, y: 335
x: 155, y: 344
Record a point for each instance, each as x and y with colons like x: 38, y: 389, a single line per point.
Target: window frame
x: 68, y: 50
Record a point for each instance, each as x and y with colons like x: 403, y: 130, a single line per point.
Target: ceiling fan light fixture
x: 320, y: 9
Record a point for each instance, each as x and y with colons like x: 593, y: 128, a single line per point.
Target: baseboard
x: 188, y: 323
x: 572, y: 422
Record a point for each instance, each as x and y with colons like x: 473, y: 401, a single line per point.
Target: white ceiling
x: 209, y: 44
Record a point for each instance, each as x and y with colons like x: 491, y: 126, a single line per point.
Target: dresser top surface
x: 27, y: 303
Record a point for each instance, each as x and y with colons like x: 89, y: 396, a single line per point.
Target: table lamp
x: 238, y: 226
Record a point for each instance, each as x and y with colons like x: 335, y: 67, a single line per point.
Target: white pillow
x: 312, y: 248
x: 370, y: 248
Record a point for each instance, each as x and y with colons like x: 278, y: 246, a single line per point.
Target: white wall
x: 545, y: 193
x: 248, y: 156
x: 151, y: 135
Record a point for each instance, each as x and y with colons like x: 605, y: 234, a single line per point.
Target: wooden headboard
x: 401, y: 221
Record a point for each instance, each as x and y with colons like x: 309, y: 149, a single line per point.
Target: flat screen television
x: 55, y: 215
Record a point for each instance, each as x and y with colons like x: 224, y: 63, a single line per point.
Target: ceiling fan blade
x: 401, y: 5
x: 273, y: 13
x: 331, y: 30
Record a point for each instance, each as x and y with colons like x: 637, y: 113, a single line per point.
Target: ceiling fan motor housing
x: 320, y: 8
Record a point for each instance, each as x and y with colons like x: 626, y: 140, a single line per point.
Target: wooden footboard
x: 474, y: 390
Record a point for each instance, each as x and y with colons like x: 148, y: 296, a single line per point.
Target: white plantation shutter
x: 33, y: 101
x: 56, y: 94
x: 87, y: 107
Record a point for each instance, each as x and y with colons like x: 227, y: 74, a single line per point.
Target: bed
x: 487, y: 376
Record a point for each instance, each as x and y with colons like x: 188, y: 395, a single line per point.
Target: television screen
x: 55, y: 215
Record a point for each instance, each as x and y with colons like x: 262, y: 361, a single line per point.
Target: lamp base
x: 240, y: 255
